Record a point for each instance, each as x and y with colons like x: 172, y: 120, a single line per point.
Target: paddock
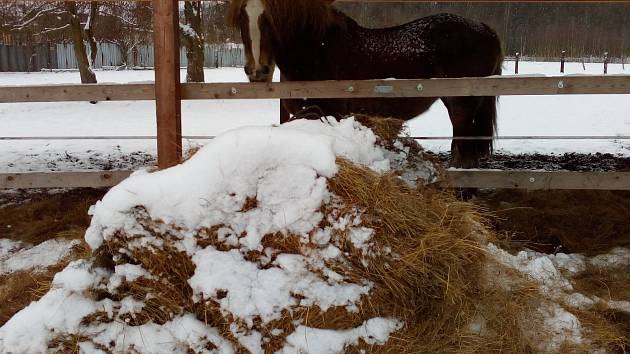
x: 515, y: 260
x: 168, y: 93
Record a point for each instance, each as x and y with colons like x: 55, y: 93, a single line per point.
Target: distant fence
x: 61, y: 56
x: 27, y: 58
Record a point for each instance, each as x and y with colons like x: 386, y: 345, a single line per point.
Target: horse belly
x: 402, y: 108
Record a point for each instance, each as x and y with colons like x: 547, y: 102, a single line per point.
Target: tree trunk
x: 87, y: 75
x: 193, y: 40
x: 89, y: 32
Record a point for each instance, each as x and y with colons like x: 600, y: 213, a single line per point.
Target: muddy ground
x: 596, y: 162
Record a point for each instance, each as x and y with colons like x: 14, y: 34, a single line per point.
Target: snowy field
x: 518, y: 115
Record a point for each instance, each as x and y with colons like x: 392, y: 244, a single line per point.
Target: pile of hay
x: 293, y: 239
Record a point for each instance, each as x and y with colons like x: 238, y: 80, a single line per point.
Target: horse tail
x: 485, y: 121
x: 485, y: 124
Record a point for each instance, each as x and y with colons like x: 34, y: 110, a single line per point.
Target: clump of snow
x: 324, y: 341
x: 412, y: 167
x: 617, y: 257
x: 284, y: 168
x: 8, y: 247
x: 561, y: 326
x: 44, y: 255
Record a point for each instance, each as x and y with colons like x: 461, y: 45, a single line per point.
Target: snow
x: 518, y: 115
x: 283, y: 167
x: 562, y: 326
x: 322, y: 341
x: 7, y: 247
x: 553, y: 274
x: 266, y: 293
x: 44, y: 255
x: 188, y: 31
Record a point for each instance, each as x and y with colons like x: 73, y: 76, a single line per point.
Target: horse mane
x: 290, y: 16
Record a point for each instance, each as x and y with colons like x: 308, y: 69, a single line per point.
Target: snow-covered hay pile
x: 304, y: 238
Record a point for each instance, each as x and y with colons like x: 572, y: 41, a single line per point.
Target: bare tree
x: 87, y: 74
x: 192, y: 34
x: 128, y: 24
x: 34, y: 21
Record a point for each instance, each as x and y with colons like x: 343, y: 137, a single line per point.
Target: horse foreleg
x: 462, y: 110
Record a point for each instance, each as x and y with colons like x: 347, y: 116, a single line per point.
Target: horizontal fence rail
x: 79, y: 179
x: 532, y: 180
x: 537, y: 180
x: 485, y: 86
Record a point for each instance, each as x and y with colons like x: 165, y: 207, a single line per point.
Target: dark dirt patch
x: 596, y: 162
x: 589, y: 222
x: 39, y: 216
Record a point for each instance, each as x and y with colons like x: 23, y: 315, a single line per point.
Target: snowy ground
x: 518, y: 115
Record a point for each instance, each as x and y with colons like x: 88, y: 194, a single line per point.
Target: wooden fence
x: 490, y: 86
x: 168, y: 93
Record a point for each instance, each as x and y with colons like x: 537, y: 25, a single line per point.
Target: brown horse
x: 310, y: 40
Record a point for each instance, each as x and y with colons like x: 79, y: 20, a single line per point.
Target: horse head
x: 262, y: 23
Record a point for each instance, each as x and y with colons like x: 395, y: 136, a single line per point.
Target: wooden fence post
x: 284, y: 114
x: 605, y: 62
x: 563, y: 55
x: 518, y: 55
x: 167, y: 82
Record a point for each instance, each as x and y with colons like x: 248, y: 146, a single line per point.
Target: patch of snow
x: 560, y: 326
x: 325, y: 341
x: 617, y: 257
x: 537, y: 266
x: 360, y: 237
x: 619, y: 305
x: 249, y: 292
x: 44, y: 255
x: 62, y: 309
x: 9, y: 247
x: 188, y: 31
x: 180, y: 335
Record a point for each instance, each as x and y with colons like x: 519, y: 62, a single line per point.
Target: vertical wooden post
x: 563, y: 55
x: 284, y: 114
x: 518, y: 56
x: 167, y: 82
x: 605, y: 62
